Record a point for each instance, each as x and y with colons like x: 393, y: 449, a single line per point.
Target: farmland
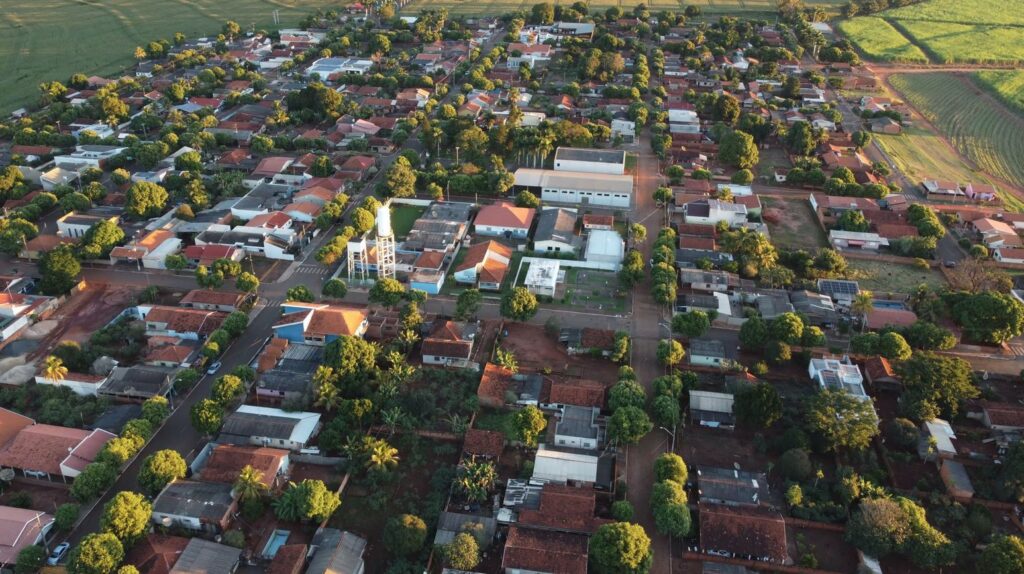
x: 1008, y: 86
x: 979, y: 128
x: 948, y: 31
x: 497, y: 7
x: 42, y: 41
x: 878, y: 40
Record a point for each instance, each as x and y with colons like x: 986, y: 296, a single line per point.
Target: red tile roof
x: 505, y: 215
x: 429, y: 260
x: 543, y: 551
x: 563, y: 508
x: 290, y: 559
x: 211, y: 297
x: 11, y: 424
x: 209, y: 253
x: 227, y: 461
x: 495, y: 381
x: 482, y: 255
x: 1004, y: 414
x: 483, y: 443
x: 598, y: 220
x: 185, y: 320
x: 156, y: 553
x: 877, y: 368
x: 272, y: 220
x: 878, y: 318
x: 691, y: 242
x: 743, y: 531
x: 44, y: 447
x: 582, y: 393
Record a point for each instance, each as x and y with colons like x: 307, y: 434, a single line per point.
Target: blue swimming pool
x: 276, y: 541
x: 887, y: 304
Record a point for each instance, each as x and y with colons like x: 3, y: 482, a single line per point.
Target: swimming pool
x: 276, y: 541
x: 887, y: 304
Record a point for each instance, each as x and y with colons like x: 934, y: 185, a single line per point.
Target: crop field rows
x: 989, y: 135
x: 42, y: 40
x: 944, y: 31
x: 1007, y: 86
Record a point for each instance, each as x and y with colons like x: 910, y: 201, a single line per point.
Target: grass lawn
x: 883, y: 276
x: 796, y: 227
x: 42, y: 41
x: 1007, y: 85
x: 987, y: 134
x: 403, y: 217
x: 879, y: 40
x: 496, y: 421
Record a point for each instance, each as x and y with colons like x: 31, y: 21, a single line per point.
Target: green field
x: 403, y: 217
x: 498, y: 7
x: 885, y: 277
x: 1008, y: 86
x: 948, y: 31
x: 986, y: 134
x: 50, y: 40
x: 878, y: 40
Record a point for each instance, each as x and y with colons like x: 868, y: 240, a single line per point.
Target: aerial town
x: 411, y: 287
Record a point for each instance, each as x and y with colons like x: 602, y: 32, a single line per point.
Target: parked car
x: 58, y: 554
x: 949, y: 263
x: 213, y: 368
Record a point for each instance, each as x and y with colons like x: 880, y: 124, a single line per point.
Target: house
x: 19, y: 529
x: 51, y: 452
x: 572, y: 467
x: 207, y: 254
x: 578, y: 392
x: 289, y: 559
x: 835, y: 374
x: 74, y: 225
x: 587, y: 340
x: 625, y: 129
x: 593, y: 221
x: 995, y: 233
x: 577, y: 427
x: 576, y: 187
x: 528, y: 54
x: 528, y: 551
x: 1004, y: 417
x: 774, y: 302
x: 713, y: 211
x: 196, y: 506
x: 265, y: 426
x: 150, y: 251
x: 503, y: 219
x: 708, y: 353
x: 710, y: 302
x: 841, y: 291
x: 499, y: 386
x: 56, y: 177
x: 319, y: 323
x: 226, y: 462
x: 940, y: 189
x: 605, y: 247
x: 957, y: 481
x: 138, y: 382
x: 484, y: 265
x: 560, y: 508
x: 742, y: 532
x: 711, y: 409
x: 880, y: 318
x: 731, y: 486
x: 204, y: 557
x: 856, y: 240
x: 210, y: 300
x: 556, y: 231
x: 885, y: 125
x: 450, y: 524
x: 184, y: 323
x: 602, y: 161
x: 11, y: 423
x: 156, y: 553
x: 336, y: 552
x: 82, y: 384
x: 880, y: 374
x: 1008, y: 255
x: 483, y: 443
x: 286, y: 370
x: 711, y: 280
x: 542, y: 277
x: 450, y: 344
x: 936, y: 440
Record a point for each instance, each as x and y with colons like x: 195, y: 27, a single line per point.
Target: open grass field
x: 403, y: 217
x: 948, y: 31
x: 879, y: 41
x: 42, y: 40
x: 1007, y: 85
x: 885, y: 277
x: 497, y: 7
x: 982, y: 130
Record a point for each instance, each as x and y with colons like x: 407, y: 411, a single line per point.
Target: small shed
x: 958, y: 483
x: 711, y: 409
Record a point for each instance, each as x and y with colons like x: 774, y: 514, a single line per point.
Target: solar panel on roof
x: 838, y: 286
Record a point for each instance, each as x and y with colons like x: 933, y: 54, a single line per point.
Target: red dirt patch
x: 85, y: 313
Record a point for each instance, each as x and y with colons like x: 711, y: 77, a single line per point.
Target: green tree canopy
x: 620, y: 548
x: 841, y: 420
x: 529, y: 422
x: 1003, y: 556
x: 758, y: 406
x: 670, y: 352
x: 670, y: 466
x: 671, y: 514
x: 405, y: 534
x: 160, y: 468
x: 145, y: 199
x: 59, y: 270
x: 126, y: 516
x: 935, y: 385
x: 387, y: 292
x: 628, y: 425
x: 519, y: 304
x: 97, y: 553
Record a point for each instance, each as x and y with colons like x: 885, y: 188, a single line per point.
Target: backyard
x: 886, y: 277
x: 584, y: 289
x: 792, y: 224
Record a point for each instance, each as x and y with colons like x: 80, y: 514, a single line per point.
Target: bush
x: 65, y: 517
x: 30, y: 560
x: 902, y: 433
x: 622, y: 510
x: 794, y: 464
x: 20, y: 499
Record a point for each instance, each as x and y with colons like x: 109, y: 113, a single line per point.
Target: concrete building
x: 556, y: 231
x: 542, y: 277
x: 577, y: 187
x: 577, y: 427
x: 605, y: 246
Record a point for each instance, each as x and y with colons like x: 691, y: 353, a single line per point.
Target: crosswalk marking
x: 311, y: 270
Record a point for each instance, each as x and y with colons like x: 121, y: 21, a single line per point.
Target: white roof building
x: 542, y: 277
x: 558, y: 466
x: 605, y: 246
x: 833, y: 373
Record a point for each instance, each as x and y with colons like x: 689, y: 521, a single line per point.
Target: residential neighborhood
x: 562, y: 288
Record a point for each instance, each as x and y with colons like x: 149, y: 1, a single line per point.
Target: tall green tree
x: 620, y: 548
x: 59, y: 270
x: 126, y: 516
x: 841, y: 420
x: 160, y: 468
x: 519, y: 304
x: 97, y: 553
x: 145, y: 199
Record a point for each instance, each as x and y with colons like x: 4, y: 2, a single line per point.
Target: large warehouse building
x: 576, y: 187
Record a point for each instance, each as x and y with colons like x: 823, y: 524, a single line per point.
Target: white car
x: 213, y: 368
x: 58, y: 554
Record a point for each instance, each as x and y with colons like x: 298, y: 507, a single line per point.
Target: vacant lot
x: 948, y: 31
x: 42, y: 41
x: 982, y: 130
x: 885, y: 277
x: 878, y: 40
x: 792, y: 224
x: 1007, y: 85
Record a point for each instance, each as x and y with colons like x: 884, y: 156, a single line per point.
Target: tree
x: 529, y: 422
x: 405, y: 534
x: 160, y: 468
x: 738, y: 150
x: 54, y: 369
x: 665, y: 411
x: 758, y: 406
x: 59, y: 269
x: 670, y: 466
x: 467, y: 304
x: 519, y: 304
x: 878, y: 527
x: 1003, y: 556
x: 381, y: 456
x: 299, y: 293
x: 670, y: 352
x: 861, y: 139
x: 387, y: 292
x: 893, y: 346
x: 862, y: 304
x: 475, y: 479
x: 96, y: 478
x: 935, y: 385
x: 988, y: 317
x: 126, y: 516
x: 335, y: 288
x: 620, y: 548
x: 662, y: 195
x: 97, y: 553
x: 463, y: 552
x: 249, y: 485
x: 692, y: 324
x: 787, y: 328
x: 526, y: 199
x: 400, y: 179
x: 307, y: 500
x: 841, y: 420
x: 754, y: 334
x: 794, y: 464
x: 622, y: 510
x: 628, y: 425
x: 351, y: 356
x: 778, y: 352
x: 74, y: 201
x: 235, y: 324
x: 626, y: 393
x: 226, y: 389
x: 145, y: 199
x: 247, y: 282
x: 668, y: 504
x: 30, y: 560
x: 853, y: 220
x: 620, y: 348
x: 638, y: 232
x: 66, y: 516
x: 207, y: 416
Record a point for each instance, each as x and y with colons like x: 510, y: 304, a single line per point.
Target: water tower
x: 385, y: 244
x: 357, y: 259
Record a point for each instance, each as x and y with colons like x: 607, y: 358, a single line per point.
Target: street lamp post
x: 673, y: 435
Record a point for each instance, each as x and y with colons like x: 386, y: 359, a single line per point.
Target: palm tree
x: 249, y: 484
x: 862, y: 304
x: 327, y: 396
x: 392, y: 418
x: 382, y: 456
x: 54, y: 369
